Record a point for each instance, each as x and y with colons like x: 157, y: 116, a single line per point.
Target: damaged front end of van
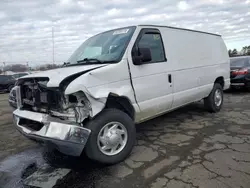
x: 54, y: 115
x: 86, y: 105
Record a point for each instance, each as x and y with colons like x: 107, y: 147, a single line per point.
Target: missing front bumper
x: 68, y: 138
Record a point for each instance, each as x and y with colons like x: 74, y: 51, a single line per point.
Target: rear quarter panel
x: 197, y: 59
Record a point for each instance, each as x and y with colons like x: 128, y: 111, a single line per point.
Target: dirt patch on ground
x: 11, y: 141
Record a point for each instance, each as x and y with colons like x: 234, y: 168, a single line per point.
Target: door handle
x: 170, y: 78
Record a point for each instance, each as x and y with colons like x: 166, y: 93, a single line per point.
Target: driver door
x: 152, y: 81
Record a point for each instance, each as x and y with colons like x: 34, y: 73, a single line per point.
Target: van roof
x: 181, y: 29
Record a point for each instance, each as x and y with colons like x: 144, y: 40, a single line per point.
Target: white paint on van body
x: 194, y: 61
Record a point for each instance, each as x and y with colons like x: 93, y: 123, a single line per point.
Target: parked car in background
x: 7, y: 82
x: 116, y: 79
x: 18, y: 75
x: 240, y: 72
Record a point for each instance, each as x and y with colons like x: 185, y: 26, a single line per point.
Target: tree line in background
x: 48, y: 67
x: 25, y: 68
x: 245, y: 51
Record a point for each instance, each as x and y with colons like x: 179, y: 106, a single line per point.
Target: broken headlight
x: 76, y: 108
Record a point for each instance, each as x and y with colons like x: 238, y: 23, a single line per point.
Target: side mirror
x: 145, y: 56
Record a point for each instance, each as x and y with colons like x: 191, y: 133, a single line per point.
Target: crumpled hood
x: 56, y: 76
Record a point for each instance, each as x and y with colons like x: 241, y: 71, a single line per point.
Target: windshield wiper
x: 90, y: 60
x: 65, y: 64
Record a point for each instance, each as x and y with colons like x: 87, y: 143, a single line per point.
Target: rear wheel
x: 214, y: 101
x: 112, y: 137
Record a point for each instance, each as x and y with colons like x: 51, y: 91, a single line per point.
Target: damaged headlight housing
x: 12, y: 98
x: 76, y: 108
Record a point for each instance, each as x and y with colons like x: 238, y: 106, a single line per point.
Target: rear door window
x: 248, y: 62
x: 239, y: 62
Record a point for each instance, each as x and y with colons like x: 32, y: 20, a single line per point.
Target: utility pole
x: 27, y: 64
x: 4, y: 68
x: 53, y: 46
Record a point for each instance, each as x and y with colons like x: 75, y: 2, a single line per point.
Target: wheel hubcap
x: 218, y: 97
x: 112, y: 138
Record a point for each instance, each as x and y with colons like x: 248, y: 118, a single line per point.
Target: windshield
x: 107, y: 47
x: 239, y: 62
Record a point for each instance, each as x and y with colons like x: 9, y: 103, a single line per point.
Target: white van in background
x: 116, y: 79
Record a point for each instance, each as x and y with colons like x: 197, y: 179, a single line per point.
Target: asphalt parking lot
x: 185, y: 148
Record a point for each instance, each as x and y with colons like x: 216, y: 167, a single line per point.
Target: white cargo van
x: 117, y: 79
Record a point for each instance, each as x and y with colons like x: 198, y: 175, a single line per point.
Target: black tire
x: 209, y: 102
x: 96, y: 124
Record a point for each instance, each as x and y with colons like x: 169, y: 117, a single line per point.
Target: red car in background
x: 240, y: 72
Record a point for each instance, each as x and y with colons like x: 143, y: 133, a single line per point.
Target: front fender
x: 97, y: 104
x: 99, y: 83
x: 98, y: 95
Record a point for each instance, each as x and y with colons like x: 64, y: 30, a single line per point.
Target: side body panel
x: 197, y: 60
x: 194, y: 61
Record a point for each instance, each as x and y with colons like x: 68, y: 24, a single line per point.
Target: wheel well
x: 121, y: 103
x: 220, y: 80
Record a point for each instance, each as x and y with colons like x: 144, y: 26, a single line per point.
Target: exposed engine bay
x: 37, y: 97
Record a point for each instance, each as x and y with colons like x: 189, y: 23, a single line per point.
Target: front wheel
x: 112, y: 137
x: 214, y: 101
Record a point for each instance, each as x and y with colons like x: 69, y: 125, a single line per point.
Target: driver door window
x: 154, y: 42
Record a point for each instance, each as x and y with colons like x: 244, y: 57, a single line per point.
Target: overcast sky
x: 25, y: 25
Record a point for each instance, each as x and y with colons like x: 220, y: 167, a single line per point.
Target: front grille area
x: 37, y: 97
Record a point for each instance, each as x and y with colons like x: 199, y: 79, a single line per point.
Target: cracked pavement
x: 183, y: 149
